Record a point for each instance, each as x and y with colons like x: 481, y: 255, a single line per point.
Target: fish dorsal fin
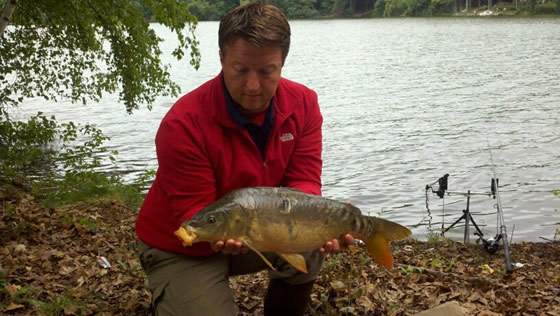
x: 378, y: 249
x: 296, y: 260
x: 249, y: 245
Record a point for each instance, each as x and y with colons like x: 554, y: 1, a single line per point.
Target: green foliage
x: 15, y: 294
x: 546, y: 8
x: 80, y: 50
x: 59, y: 162
x: 202, y: 9
x: 302, y: 9
x: 341, y: 7
x: 324, y: 7
x: 9, y: 209
x: 62, y: 306
x: 407, y: 8
x: 39, y: 146
x: 83, y: 186
x: 532, y: 4
x: 440, y: 7
x: 210, y: 10
x: 24, y: 146
x: 379, y: 8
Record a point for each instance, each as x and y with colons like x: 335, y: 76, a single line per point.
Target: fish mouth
x: 186, y: 234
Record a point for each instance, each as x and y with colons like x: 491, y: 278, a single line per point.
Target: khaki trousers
x: 184, y: 285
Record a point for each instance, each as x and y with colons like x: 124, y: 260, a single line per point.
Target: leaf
x: 338, y: 285
x: 12, y: 288
x: 435, y: 262
x: 13, y: 307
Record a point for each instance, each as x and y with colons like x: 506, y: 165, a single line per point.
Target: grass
x: 84, y: 187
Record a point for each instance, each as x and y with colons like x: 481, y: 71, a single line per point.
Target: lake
x: 404, y: 101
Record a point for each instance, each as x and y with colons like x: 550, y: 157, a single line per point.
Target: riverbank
x: 49, y: 265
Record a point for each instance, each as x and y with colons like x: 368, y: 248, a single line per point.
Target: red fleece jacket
x: 203, y: 154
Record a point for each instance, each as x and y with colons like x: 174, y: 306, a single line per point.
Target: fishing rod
x: 491, y: 245
x: 441, y: 192
x: 494, y: 187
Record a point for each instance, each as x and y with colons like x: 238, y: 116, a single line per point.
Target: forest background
x: 306, y: 9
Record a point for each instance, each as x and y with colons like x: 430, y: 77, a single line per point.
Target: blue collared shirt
x: 259, y: 133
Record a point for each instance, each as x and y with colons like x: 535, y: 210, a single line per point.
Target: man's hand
x: 334, y: 245
x: 230, y: 247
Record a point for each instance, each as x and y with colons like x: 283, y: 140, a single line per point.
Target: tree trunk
x: 7, y: 14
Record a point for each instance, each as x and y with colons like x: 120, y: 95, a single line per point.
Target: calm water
x: 404, y: 102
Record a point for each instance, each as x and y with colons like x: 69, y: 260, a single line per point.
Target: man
x: 246, y: 127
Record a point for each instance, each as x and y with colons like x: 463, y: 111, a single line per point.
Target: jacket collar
x: 284, y: 103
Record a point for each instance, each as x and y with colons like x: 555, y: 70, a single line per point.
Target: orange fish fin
x: 249, y: 245
x: 378, y: 249
x: 391, y: 230
x: 296, y: 260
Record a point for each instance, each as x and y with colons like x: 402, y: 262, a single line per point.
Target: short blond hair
x: 258, y: 23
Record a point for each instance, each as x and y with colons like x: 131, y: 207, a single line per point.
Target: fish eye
x: 211, y: 219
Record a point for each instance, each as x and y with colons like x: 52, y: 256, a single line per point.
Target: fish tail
x: 377, y: 236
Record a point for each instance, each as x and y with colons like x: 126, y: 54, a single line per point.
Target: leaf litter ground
x: 48, y: 265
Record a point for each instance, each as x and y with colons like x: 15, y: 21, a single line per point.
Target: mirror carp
x: 287, y: 222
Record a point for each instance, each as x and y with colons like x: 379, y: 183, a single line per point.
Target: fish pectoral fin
x: 378, y: 249
x: 249, y: 245
x: 296, y: 260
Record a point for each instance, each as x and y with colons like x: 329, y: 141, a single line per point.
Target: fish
x: 288, y: 222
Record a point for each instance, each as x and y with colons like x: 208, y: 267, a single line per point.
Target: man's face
x: 251, y: 74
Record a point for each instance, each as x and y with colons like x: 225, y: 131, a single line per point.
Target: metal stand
x: 468, y: 219
x: 491, y: 245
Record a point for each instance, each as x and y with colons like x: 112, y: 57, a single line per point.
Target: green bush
x: 43, y: 148
x: 25, y: 146
x: 440, y: 7
x: 58, y: 162
x: 83, y: 186
x: 546, y: 8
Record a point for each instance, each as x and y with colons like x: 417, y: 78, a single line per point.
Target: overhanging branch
x: 7, y: 14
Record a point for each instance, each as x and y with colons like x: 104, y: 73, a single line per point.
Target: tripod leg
x: 476, y: 226
x: 466, y: 238
x: 457, y: 221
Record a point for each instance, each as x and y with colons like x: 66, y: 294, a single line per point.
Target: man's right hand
x: 230, y: 247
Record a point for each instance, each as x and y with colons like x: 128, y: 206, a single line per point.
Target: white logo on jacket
x: 286, y: 137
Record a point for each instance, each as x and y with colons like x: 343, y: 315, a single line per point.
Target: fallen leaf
x: 13, y: 307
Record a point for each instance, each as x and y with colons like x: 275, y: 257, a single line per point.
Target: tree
x: 532, y: 5
x: 81, y: 49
